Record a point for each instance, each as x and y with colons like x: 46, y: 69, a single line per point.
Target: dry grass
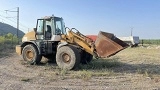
x: 140, y: 60
x: 6, y: 50
x: 133, y: 68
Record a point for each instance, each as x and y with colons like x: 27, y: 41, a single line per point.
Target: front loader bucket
x: 107, y: 44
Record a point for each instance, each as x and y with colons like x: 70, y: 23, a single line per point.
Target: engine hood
x: 29, y: 36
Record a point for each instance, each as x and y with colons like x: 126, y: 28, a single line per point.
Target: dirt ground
x: 135, y: 68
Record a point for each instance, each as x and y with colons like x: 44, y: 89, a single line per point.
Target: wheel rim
x: 66, y: 58
x: 29, y: 54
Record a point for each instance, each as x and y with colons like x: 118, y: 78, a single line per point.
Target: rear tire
x: 86, y: 57
x: 31, y: 55
x: 68, y: 57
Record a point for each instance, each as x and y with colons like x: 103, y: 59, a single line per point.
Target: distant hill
x: 6, y: 28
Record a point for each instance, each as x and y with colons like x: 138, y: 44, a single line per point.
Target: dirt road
x: 15, y: 75
x: 131, y: 73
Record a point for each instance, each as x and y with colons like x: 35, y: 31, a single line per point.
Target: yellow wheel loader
x: 68, y: 47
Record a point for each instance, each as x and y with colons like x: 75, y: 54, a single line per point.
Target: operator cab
x: 50, y: 28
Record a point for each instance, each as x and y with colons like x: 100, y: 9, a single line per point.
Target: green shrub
x: 150, y: 41
x: 8, y: 41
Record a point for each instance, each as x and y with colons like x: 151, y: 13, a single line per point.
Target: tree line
x: 11, y: 39
x: 150, y: 41
x: 8, y: 39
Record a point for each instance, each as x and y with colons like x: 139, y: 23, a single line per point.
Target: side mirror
x: 35, y: 29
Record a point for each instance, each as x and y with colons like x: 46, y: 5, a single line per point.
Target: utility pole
x: 17, y: 20
x: 131, y: 30
x: 18, y: 23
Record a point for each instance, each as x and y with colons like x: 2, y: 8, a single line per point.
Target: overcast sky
x: 90, y: 16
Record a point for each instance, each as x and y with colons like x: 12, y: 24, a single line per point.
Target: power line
x: 17, y: 11
x: 11, y: 9
x: 9, y: 21
x: 9, y: 16
x: 2, y: 11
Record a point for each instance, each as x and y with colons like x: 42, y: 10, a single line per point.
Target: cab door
x: 44, y: 29
x: 48, y: 29
x: 40, y: 29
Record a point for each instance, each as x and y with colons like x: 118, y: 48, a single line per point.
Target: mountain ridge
x: 6, y: 28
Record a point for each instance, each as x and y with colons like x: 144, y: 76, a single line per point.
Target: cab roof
x: 49, y: 17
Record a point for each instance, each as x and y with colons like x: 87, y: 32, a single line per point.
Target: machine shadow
x: 119, y: 67
x: 114, y: 65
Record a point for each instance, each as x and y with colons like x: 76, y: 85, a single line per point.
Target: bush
x: 8, y: 41
x: 150, y: 41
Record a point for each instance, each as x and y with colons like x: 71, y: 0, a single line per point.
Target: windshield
x: 60, y: 27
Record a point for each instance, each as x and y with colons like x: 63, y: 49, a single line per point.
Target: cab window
x: 58, y: 27
x: 40, y: 26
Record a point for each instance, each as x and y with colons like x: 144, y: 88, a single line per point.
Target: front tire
x: 67, y: 57
x: 31, y: 55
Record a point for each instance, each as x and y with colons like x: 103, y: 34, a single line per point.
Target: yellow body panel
x: 29, y: 36
x: 18, y: 49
